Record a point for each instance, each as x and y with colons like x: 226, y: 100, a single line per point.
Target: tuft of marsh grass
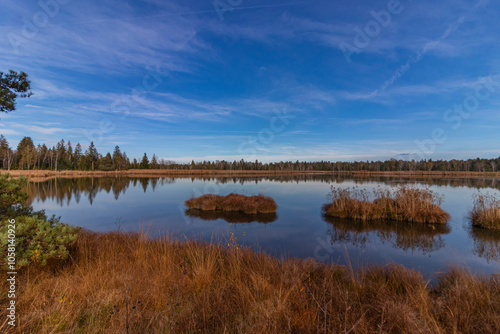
x: 233, y: 202
x: 193, y: 287
x: 486, y: 211
x: 405, y: 203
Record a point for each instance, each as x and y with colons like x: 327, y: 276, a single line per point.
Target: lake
x: 156, y: 206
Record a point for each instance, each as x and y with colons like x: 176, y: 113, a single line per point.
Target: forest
x: 63, y: 156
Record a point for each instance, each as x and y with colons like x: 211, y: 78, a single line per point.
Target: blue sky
x: 266, y: 80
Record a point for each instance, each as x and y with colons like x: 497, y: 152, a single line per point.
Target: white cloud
x: 9, y: 132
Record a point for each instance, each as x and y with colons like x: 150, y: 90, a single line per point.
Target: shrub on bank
x: 34, y: 238
x: 38, y: 240
x: 12, y: 198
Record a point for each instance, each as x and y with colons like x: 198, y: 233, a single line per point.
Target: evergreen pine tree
x: 144, y: 162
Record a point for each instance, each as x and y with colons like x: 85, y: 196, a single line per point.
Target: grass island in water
x: 406, y: 203
x: 486, y: 211
x: 233, y: 202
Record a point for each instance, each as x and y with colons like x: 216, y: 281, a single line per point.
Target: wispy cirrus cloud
x: 44, y: 130
x: 223, y: 81
x: 104, y: 40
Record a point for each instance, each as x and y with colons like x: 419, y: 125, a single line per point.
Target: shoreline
x: 148, y: 173
x: 43, y: 175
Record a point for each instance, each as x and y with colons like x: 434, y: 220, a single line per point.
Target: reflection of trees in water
x: 63, y: 190
x: 477, y: 183
x: 296, y: 178
x: 144, y: 183
x: 425, y: 238
x: 232, y: 216
x: 486, y: 243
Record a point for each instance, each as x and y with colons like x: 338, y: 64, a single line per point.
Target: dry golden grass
x: 233, y: 202
x: 486, y: 211
x: 191, y: 287
x: 406, y: 203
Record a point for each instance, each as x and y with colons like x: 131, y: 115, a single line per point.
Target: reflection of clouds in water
x: 425, y: 238
x: 232, y: 216
x: 486, y: 243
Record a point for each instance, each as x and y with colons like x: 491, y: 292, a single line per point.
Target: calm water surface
x: 298, y: 229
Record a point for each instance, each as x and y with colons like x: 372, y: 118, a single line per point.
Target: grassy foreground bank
x: 190, y: 287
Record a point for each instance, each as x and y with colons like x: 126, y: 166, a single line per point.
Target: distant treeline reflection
x: 425, y: 238
x: 64, y: 189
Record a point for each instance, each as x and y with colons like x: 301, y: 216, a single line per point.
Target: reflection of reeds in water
x: 406, y: 236
x: 486, y: 211
x: 405, y: 203
x: 232, y: 216
x: 233, y: 202
x: 486, y: 243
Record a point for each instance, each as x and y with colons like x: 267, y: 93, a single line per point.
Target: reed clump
x: 169, y: 286
x: 233, y: 202
x: 486, y: 211
x: 405, y: 203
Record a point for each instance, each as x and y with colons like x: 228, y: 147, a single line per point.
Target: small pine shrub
x: 12, y: 197
x: 37, y: 239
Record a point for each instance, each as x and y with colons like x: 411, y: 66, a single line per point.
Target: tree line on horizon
x: 63, y: 156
